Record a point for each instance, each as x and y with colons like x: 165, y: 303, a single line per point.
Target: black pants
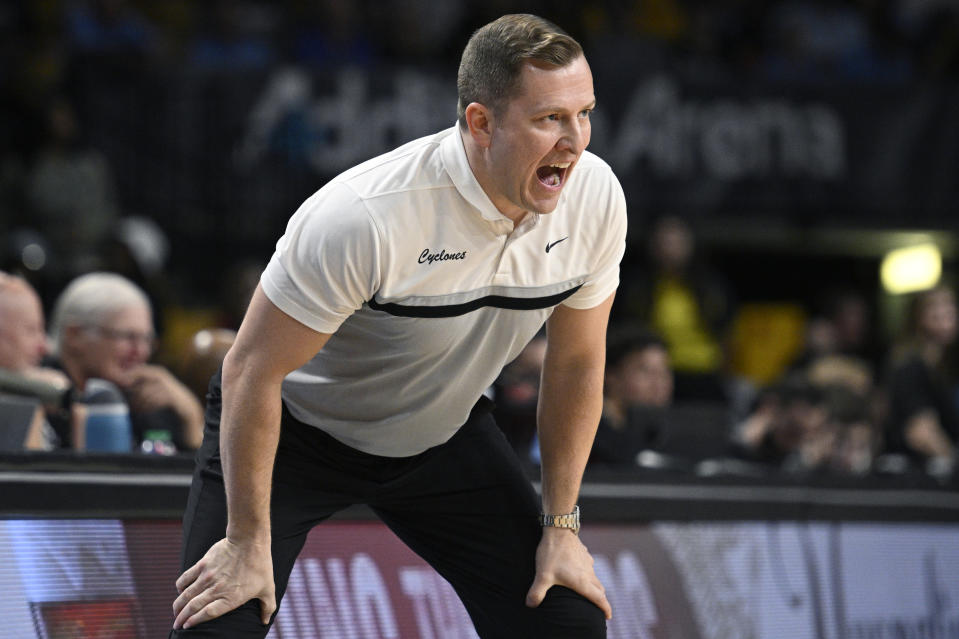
x: 465, y: 507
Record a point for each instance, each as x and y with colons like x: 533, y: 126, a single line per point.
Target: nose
x: 141, y: 349
x: 575, y: 136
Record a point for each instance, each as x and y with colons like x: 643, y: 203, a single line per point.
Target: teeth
x: 561, y: 165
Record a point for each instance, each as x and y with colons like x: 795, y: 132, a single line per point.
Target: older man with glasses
x: 102, y: 325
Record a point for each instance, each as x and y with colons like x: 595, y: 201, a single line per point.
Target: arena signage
x: 355, y: 580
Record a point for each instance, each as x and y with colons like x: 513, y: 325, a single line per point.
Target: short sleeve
x: 326, y: 264
x: 609, y: 210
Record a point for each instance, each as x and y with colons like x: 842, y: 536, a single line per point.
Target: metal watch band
x: 570, y: 520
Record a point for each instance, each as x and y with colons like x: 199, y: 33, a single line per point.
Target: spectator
x: 23, y: 343
x: 103, y: 327
x: 821, y: 418
x: 22, y: 333
x: 71, y: 190
x: 638, y: 373
x: 852, y: 374
x: 843, y: 326
x: 680, y: 296
x: 789, y: 427
x: 856, y: 434
x: 637, y: 390
x: 923, y: 415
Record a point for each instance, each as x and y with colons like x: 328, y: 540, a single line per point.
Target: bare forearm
x: 249, y: 433
x: 570, y: 407
x: 571, y: 403
x: 268, y: 346
x: 155, y: 387
x: 190, y: 412
x: 925, y: 435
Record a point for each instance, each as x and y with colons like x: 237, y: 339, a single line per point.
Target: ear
x: 479, y: 120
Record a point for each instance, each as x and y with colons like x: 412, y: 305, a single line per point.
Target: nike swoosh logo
x: 552, y: 244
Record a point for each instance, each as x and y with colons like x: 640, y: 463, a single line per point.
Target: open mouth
x: 553, y: 175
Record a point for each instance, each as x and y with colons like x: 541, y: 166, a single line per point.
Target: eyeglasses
x: 133, y: 337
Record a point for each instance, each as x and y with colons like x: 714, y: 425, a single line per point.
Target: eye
x: 553, y: 117
x: 585, y: 113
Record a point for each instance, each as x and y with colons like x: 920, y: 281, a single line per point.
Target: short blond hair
x: 493, y: 58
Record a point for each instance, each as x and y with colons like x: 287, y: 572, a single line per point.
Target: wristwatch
x: 570, y: 521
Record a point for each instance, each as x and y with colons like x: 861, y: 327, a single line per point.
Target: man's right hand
x: 228, y: 576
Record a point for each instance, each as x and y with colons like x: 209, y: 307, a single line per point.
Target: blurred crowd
x: 90, y: 377
x: 69, y: 66
x: 817, y: 395
x: 867, y: 40
x: 697, y: 381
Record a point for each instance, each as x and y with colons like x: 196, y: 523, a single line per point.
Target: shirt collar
x: 458, y: 167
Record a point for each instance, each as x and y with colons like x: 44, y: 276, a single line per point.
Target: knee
x: 241, y: 623
x: 565, y: 614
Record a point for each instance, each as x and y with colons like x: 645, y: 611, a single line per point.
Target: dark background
x: 801, y: 139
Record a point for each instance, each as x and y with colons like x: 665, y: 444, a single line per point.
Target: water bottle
x: 108, y: 426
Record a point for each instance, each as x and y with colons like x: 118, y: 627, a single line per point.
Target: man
x: 23, y: 338
x: 638, y: 373
x: 394, y: 299
x: 102, y: 324
x: 637, y: 391
x: 23, y: 343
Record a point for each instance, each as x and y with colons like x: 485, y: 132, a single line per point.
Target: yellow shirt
x: 677, y: 317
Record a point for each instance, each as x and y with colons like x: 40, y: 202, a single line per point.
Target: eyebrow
x: 552, y: 108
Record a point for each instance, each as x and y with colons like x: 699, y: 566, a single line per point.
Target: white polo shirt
x: 428, y: 290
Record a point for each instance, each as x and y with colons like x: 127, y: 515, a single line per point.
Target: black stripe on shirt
x: 453, y: 310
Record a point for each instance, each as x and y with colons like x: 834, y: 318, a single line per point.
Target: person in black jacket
x: 637, y: 390
x: 923, y: 413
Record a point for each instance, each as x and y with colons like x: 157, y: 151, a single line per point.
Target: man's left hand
x: 563, y: 560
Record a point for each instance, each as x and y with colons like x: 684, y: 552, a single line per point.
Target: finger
x: 188, y: 576
x: 267, y: 608
x: 189, y: 593
x: 537, y: 591
x: 214, y: 609
x: 597, y: 595
x: 192, y: 606
x: 593, y: 590
x: 605, y: 606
